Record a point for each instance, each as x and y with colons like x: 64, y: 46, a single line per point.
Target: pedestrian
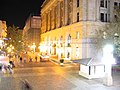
x: 30, y: 59
x: 10, y: 69
x: 40, y: 58
x: 4, y: 68
x: 35, y: 58
x: 12, y: 64
x: 21, y: 59
x: 24, y: 59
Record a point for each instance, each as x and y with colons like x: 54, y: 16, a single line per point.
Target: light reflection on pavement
x: 49, y: 76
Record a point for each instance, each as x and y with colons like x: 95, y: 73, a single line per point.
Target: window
x: 102, y: 3
x: 77, y: 3
x: 61, y: 40
x: 61, y: 14
x: 68, y: 54
x: 46, y: 22
x: 50, y: 15
x: 115, y: 4
x: 119, y: 5
x: 78, y: 17
x: 102, y: 17
x: 77, y: 52
x: 77, y: 35
x: 115, y: 16
x: 69, y: 40
x: 69, y: 12
x: 69, y: 20
x: 55, y: 16
x: 106, y: 17
x: 106, y: 4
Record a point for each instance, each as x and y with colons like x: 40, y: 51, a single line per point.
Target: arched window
x: 61, y: 39
x: 77, y: 35
x: 69, y: 40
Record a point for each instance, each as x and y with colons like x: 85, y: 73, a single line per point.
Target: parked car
x: 44, y: 57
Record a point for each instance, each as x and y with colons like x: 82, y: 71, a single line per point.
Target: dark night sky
x: 15, y: 12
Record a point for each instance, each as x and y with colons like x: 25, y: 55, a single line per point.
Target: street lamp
x: 104, y: 35
x: 33, y: 47
x: 116, y: 37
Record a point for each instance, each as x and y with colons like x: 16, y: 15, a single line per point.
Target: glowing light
x: 43, y: 48
x: 10, y: 48
x: 108, y: 55
x: 33, y: 47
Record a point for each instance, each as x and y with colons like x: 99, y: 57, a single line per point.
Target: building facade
x: 68, y: 26
x: 3, y: 34
x: 3, y: 29
x: 31, y: 31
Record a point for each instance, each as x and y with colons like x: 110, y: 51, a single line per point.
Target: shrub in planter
x: 61, y: 60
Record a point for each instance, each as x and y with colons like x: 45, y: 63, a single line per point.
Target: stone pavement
x: 93, y: 84
x: 50, y: 76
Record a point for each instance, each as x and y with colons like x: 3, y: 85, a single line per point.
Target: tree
x: 14, y: 35
x: 109, y: 34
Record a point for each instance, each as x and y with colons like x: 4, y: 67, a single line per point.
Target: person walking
x: 30, y: 59
x: 25, y: 60
x: 35, y: 58
x: 40, y: 58
x: 21, y: 59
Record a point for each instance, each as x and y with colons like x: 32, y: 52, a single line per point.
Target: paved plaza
x: 51, y: 76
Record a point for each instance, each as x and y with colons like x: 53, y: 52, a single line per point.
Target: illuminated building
x: 31, y: 31
x: 3, y: 29
x: 68, y: 26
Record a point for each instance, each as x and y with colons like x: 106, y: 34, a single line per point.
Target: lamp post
x: 108, y: 60
x: 116, y: 43
x: 33, y: 48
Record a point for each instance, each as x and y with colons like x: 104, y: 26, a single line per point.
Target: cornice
x: 51, y: 4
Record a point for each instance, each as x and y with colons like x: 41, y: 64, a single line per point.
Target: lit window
x: 69, y: 40
x: 77, y: 35
x: 77, y: 52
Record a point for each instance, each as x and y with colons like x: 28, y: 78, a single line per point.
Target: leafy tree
x: 14, y: 35
x: 109, y: 33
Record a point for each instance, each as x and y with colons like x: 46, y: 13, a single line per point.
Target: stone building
x: 3, y: 29
x: 67, y: 26
x: 3, y: 34
x: 31, y: 31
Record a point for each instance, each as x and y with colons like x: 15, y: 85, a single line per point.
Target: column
x: 66, y: 12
